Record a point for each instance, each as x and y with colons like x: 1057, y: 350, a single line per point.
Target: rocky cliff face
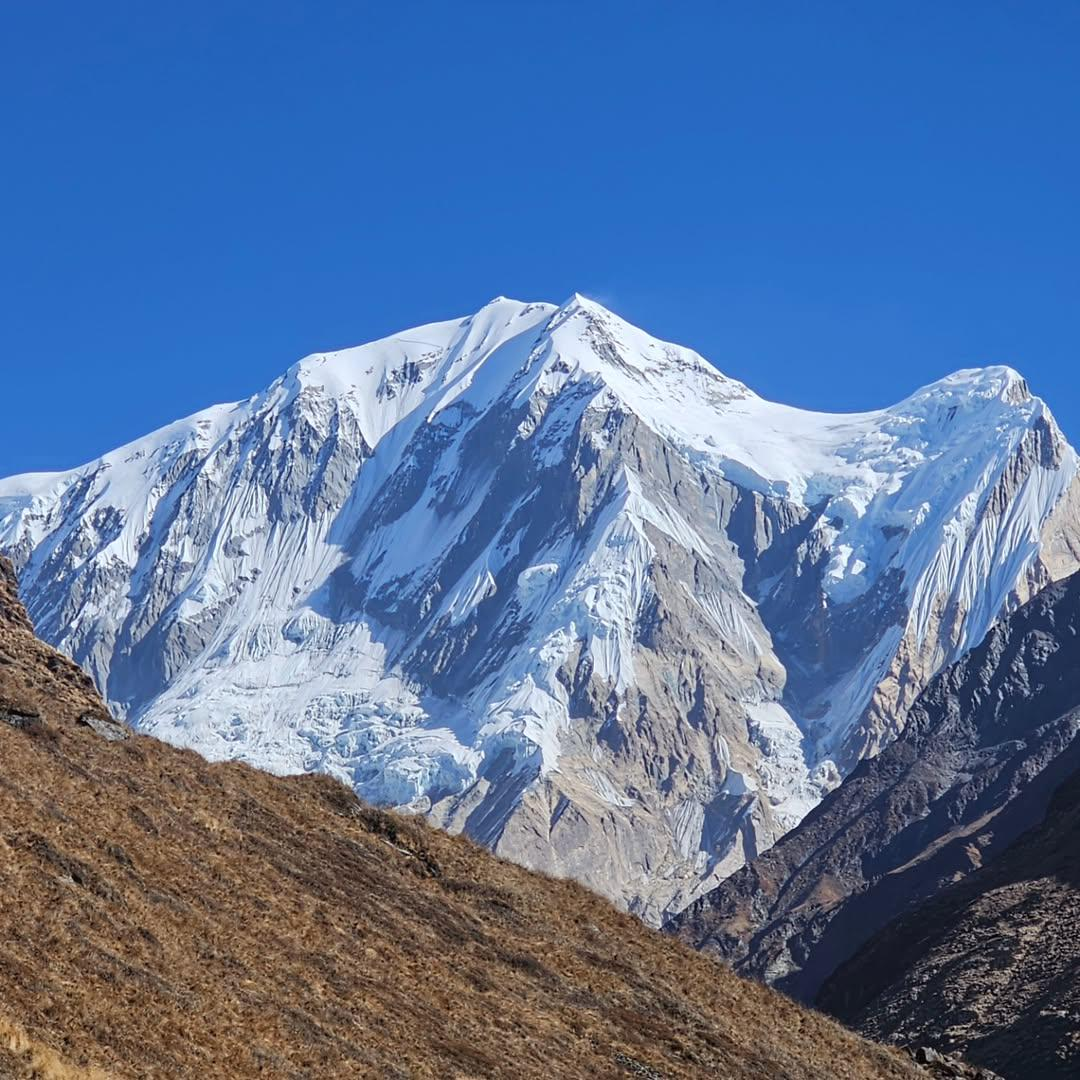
x: 34, y: 677
x: 984, y: 748
x: 989, y: 966
x: 551, y: 582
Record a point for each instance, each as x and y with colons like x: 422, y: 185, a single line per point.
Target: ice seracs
x: 549, y: 580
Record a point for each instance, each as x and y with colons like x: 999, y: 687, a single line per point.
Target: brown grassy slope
x: 164, y: 917
x: 24, y: 1058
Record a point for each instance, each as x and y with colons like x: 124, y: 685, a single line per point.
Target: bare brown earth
x: 164, y: 917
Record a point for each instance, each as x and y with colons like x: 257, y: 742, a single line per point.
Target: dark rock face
x: 35, y: 679
x: 947, y: 1067
x: 985, y: 748
x: 21, y: 718
x: 991, y: 965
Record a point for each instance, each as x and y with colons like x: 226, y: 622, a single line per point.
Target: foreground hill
x: 990, y: 966
x: 553, y: 582
x: 991, y: 750
x: 161, y: 916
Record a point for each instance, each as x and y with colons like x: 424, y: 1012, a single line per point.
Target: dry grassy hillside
x: 164, y: 917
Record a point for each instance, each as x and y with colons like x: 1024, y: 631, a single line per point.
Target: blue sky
x: 835, y: 202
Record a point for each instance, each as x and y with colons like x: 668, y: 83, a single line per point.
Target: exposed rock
x: 19, y: 717
x: 989, y: 966
x: 104, y: 725
x: 984, y: 749
x: 948, y: 1067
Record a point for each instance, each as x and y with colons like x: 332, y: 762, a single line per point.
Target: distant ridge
x: 932, y: 898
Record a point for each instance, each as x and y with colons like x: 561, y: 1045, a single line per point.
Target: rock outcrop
x: 948, y: 1066
x: 989, y: 966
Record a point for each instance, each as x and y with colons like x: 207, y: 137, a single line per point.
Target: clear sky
x: 834, y: 202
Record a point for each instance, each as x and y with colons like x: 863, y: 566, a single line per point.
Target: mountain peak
x: 579, y: 301
x: 992, y: 381
x: 489, y: 564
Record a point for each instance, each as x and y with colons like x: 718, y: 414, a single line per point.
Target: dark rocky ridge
x: 985, y: 748
x: 990, y: 966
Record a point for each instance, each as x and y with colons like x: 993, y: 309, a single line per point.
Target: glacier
x: 550, y: 581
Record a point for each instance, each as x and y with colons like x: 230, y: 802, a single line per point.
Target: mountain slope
x: 984, y: 749
x: 162, y: 917
x: 990, y: 966
x: 550, y: 581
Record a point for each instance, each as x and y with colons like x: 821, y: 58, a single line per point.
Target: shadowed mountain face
x: 164, y: 917
x: 990, y: 966
x: 551, y: 582
x: 985, y: 747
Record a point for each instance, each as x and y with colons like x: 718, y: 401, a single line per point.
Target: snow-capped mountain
x: 550, y: 581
